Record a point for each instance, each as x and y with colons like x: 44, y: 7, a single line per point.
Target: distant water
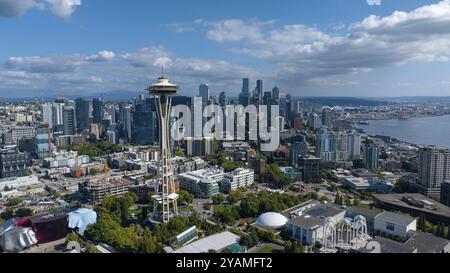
x: 422, y: 131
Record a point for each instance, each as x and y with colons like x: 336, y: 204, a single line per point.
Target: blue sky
x: 308, y: 48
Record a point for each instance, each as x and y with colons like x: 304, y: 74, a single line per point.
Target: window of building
x: 390, y: 226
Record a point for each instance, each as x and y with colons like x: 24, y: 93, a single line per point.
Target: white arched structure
x: 346, y: 234
x: 329, y: 235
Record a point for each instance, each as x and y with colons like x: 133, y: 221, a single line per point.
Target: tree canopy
x: 108, y: 229
x: 275, y: 176
x: 96, y: 149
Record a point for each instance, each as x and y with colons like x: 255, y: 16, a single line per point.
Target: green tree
x: 119, y: 206
x: 440, y: 231
x: 222, y: 157
x: 215, y: 146
x: 425, y: 226
x: 6, y: 215
x: 379, y: 173
x: 339, y: 199
x: 404, y: 186
x: 93, y: 171
x: 144, y: 213
x: 333, y: 187
x: 230, y: 166
x: 14, y: 201
x: 226, y: 214
x: 148, y: 243
x: 294, y: 247
x: 276, y: 177
x: 72, y: 237
x: 91, y: 249
x: 185, y: 197
x: 421, y: 222
x: 180, y: 153
x: 219, y: 199
x: 235, y: 196
x: 248, y: 241
x: 348, y: 202
x: 23, y: 212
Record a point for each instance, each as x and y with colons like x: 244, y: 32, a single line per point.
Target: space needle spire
x: 165, y: 199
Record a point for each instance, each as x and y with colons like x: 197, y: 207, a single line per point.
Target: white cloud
x: 148, y: 56
x: 102, y: 56
x: 374, y: 2
x: 236, y: 30
x: 301, y: 52
x: 60, y: 8
x: 63, y: 8
x: 40, y: 64
x: 13, y: 8
x: 294, y: 55
x: 106, y: 71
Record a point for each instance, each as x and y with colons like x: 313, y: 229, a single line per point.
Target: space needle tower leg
x: 167, y: 197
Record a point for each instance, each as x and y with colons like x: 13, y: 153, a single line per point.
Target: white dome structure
x: 272, y: 220
x: 337, y: 109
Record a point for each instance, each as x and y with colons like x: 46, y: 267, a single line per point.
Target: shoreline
x: 409, y: 118
x: 397, y: 139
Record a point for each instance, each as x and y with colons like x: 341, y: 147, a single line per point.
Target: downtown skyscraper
x: 244, y: 96
x: 204, y: 93
x: 83, y: 113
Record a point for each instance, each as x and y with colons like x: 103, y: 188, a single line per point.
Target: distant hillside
x: 421, y: 99
x: 347, y: 101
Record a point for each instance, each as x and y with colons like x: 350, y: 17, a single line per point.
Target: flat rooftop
x: 418, y: 203
x: 395, y: 218
x: 200, y: 175
x: 427, y: 243
x: 307, y: 222
x: 215, y: 242
x: 104, y: 182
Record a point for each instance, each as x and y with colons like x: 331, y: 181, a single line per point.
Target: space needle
x: 165, y: 199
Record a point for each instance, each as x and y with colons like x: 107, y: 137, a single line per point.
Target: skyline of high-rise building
x: 125, y: 121
x: 434, y: 169
x: 83, y: 113
x: 47, y: 113
x: 327, y: 117
x: 371, y: 155
x: 57, y: 115
x: 259, y: 89
x: 145, y: 123
x: 98, y: 110
x: 204, y: 93
x: 69, y: 120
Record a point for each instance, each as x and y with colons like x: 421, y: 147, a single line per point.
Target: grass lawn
x: 265, y: 250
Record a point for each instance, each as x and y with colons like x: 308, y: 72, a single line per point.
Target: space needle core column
x: 166, y: 197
